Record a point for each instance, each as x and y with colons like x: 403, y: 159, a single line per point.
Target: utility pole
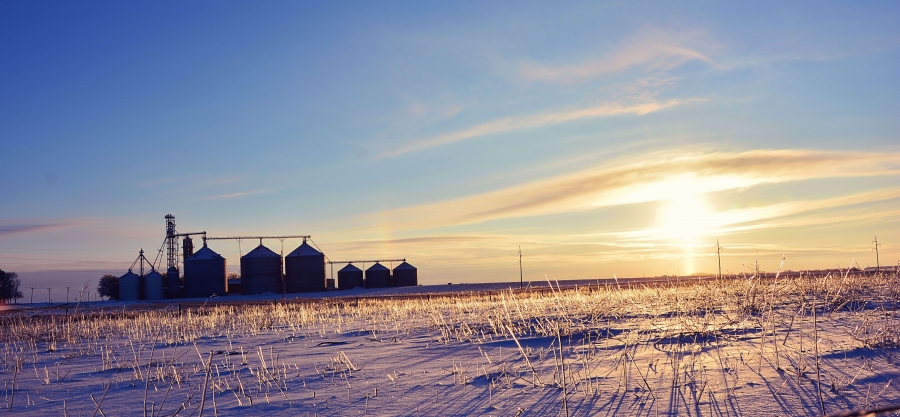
x: 32, y: 295
x: 878, y: 267
x: 719, y: 255
x: 521, y: 282
x: 48, y: 294
x: 283, y: 277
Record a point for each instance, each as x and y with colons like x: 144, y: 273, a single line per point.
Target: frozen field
x: 790, y: 346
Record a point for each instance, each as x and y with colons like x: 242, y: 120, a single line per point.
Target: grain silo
x: 129, y: 286
x: 405, y: 275
x: 154, y: 286
x: 350, y: 277
x: 305, y: 269
x: 204, y: 274
x: 173, y: 283
x: 378, y: 276
x: 261, y: 271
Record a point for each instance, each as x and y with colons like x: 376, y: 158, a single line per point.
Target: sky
x: 603, y: 139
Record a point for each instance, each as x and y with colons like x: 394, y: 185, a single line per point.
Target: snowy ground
x: 745, y: 347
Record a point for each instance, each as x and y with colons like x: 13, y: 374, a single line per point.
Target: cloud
x: 783, y: 215
x: 226, y: 179
x: 649, y: 56
x: 12, y: 227
x: 426, y: 239
x: 537, y: 120
x: 417, y: 242
x: 652, y: 177
x: 238, y: 195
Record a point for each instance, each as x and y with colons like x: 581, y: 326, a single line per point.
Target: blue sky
x: 603, y: 139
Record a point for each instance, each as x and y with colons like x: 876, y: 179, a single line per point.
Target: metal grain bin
x: 406, y: 275
x: 204, y: 274
x: 350, y: 277
x: 129, y: 286
x: 173, y: 283
x: 378, y: 276
x: 154, y: 286
x: 261, y: 271
x: 305, y: 269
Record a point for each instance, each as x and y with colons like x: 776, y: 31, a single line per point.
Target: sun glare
x: 685, y: 218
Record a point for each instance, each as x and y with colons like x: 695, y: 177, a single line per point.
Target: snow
x: 695, y: 350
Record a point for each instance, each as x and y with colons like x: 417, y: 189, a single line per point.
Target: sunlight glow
x: 686, y: 218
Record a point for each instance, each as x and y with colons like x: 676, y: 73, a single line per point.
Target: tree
x: 9, y: 286
x: 109, y: 287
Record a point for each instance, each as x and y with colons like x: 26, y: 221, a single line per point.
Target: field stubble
x: 801, y: 345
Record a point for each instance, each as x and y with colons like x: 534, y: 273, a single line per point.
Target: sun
x: 685, y: 218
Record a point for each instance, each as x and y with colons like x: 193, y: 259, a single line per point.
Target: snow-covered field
x: 746, y: 346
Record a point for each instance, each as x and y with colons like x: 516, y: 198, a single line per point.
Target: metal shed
x: 204, y: 274
x: 261, y: 271
x: 350, y: 277
x: 305, y: 269
x: 378, y: 276
x: 154, y: 286
x: 405, y: 275
x: 129, y: 286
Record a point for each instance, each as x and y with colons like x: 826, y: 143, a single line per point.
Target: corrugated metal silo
x: 204, y: 274
x: 406, y: 275
x: 154, y: 286
x: 129, y: 286
x: 350, y: 277
x: 378, y: 276
x: 173, y: 283
x: 305, y: 269
x: 261, y: 271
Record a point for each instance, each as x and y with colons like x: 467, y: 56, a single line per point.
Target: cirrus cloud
x: 657, y: 177
x: 538, y: 120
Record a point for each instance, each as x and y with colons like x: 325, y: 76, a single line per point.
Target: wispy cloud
x: 21, y: 228
x: 652, y: 177
x: 648, y: 55
x: 789, y: 214
x: 537, y: 120
x: 238, y: 194
x: 415, y: 243
x: 648, y: 50
x: 8, y: 227
x: 224, y: 179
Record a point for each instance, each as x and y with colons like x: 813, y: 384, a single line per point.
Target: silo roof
x: 261, y: 252
x: 305, y: 250
x: 404, y: 266
x: 153, y: 273
x: 377, y: 267
x: 128, y: 274
x: 205, y: 253
x: 350, y: 267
